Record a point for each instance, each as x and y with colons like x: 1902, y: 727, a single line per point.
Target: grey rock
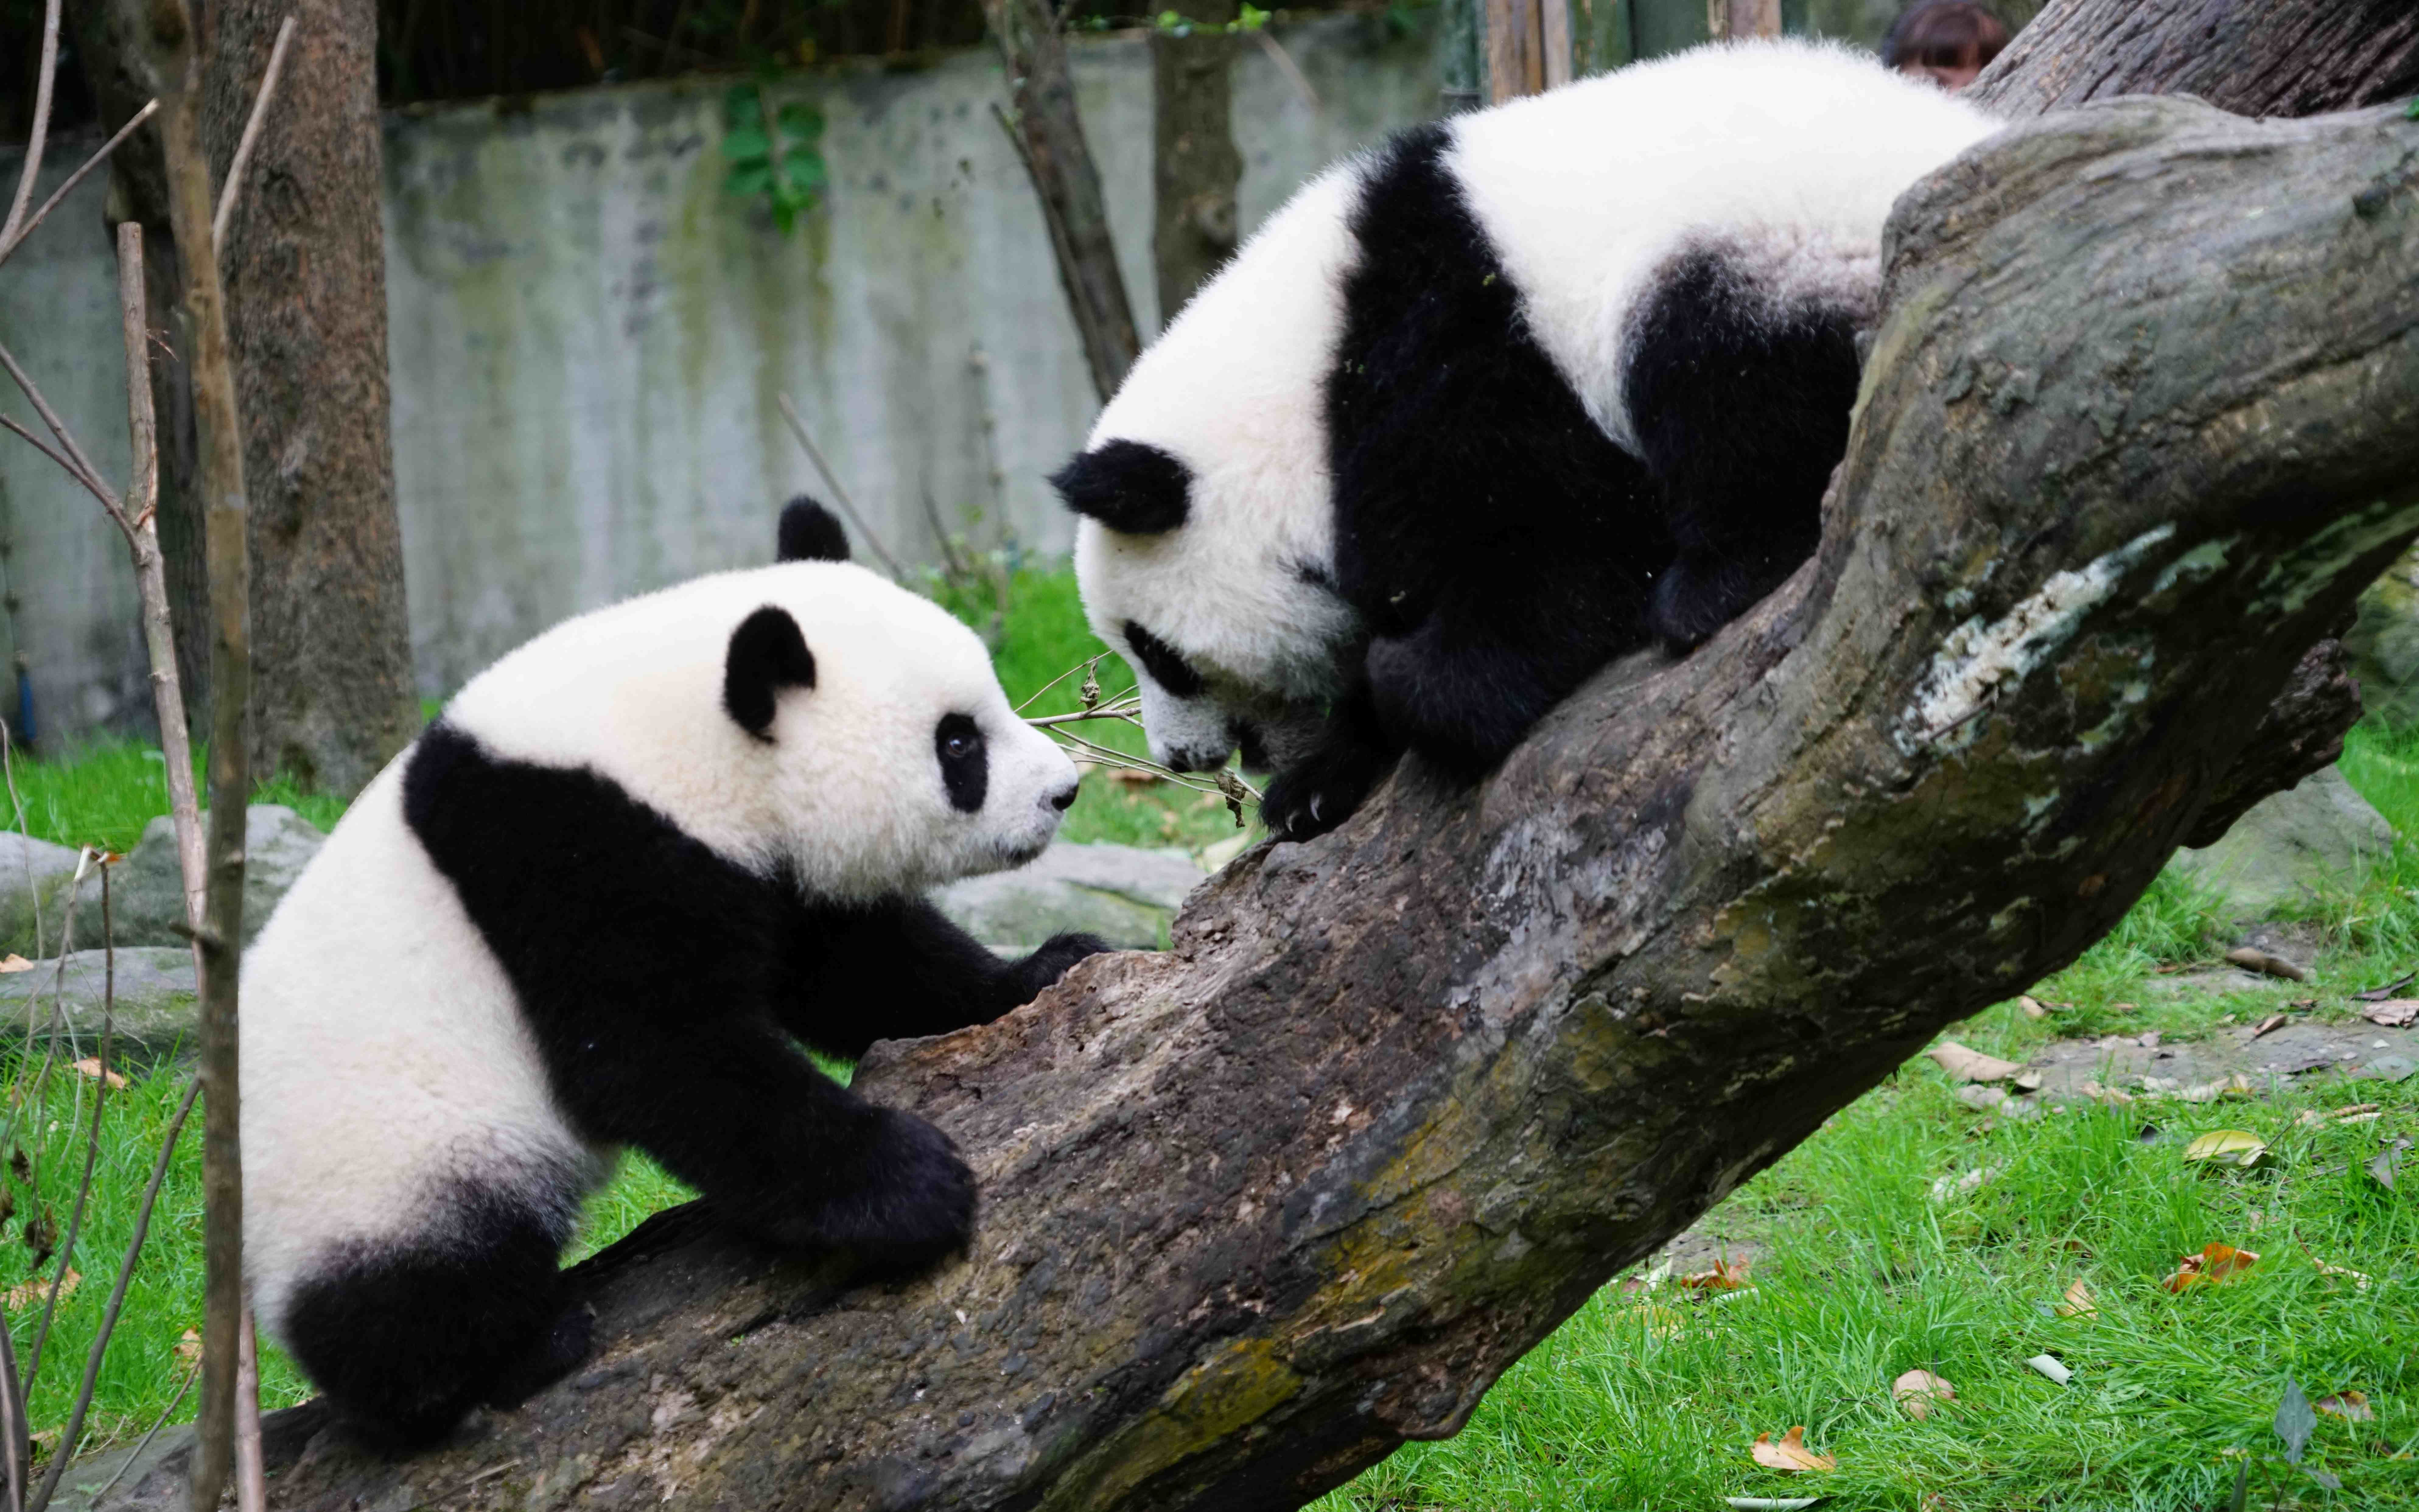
x: 2290, y: 844
x: 1123, y: 894
x: 148, y: 894
x: 153, y: 1003
x: 34, y: 878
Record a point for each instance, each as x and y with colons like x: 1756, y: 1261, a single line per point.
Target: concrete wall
x: 587, y: 335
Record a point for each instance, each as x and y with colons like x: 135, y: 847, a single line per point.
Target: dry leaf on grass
x: 2049, y: 1366
x: 189, y: 1348
x: 2351, y: 1406
x: 2359, y: 1280
x: 1918, y: 1390
x: 2269, y: 1025
x: 2395, y: 1013
x: 14, y: 962
x: 1128, y: 774
x: 90, y: 1067
x: 2078, y: 1303
x: 2215, y: 1265
x: 2250, y: 958
x: 1970, y: 1065
x: 1790, y: 1453
x: 1726, y: 1275
x: 2228, y: 1147
x: 33, y: 1292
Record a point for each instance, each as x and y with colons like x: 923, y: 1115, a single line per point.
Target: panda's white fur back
x: 384, y: 1053
x: 1789, y: 153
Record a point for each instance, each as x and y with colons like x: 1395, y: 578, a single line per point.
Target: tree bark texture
x: 111, y: 39
x: 333, y: 697
x: 1261, y: 1208
x: 1194, y: 165
x: 1049, y: 135
x: 2255, y: 57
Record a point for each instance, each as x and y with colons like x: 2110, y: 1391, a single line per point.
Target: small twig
x: 19, y: 1449
x: 192, y: 1373
x: 88, y: 475
x: 66, y: 1451
x: 12, y: 244
x: 1292, y: 71
x: 43, y: 80
x: 1054, y: 683
x: 250, y: 134
x: 1122, y: 709
x: 798, y: 428
x: 73, y: 472
x: 92, y: 1140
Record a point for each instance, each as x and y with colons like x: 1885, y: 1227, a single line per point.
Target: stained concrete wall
x: 587, y: 335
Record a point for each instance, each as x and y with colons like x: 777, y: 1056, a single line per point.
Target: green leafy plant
x: 775, y: 154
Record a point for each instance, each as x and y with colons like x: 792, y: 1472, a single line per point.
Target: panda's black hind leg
x: 404, y: 1337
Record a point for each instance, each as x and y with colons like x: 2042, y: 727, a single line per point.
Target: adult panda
x: 590, y: 907
x: 1500, y: 399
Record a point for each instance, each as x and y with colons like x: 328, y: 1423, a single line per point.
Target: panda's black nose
x: 1063, y: 798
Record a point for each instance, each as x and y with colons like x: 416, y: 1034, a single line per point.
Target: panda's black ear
x: 1127, y: 486
x: 767, y: 653
x: 810, y: 532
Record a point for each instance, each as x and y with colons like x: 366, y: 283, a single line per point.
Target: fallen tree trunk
x: 2255, y: 57
x: 2141, y: 423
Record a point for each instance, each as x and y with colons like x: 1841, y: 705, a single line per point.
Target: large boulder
x: 146, y: 891
x: 2384, y: 644
x: 1125, y: 895
x: 2290, y: 846
x: 153, y: 997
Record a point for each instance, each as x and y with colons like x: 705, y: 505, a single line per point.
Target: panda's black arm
x: 900, y: 969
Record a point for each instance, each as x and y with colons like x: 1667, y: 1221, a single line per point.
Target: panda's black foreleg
x: 405, y: 1336
x: 899, y: 969
x: 1318, y: 791
x: 724, y: 1102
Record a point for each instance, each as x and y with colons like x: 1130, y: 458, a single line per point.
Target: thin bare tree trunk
x: 1049, y: 136
x: 334, y: 696
x: 174, y: 52
x: 1194, y: 166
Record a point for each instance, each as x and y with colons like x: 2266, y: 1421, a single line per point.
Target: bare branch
x: 251, y: 135
x: 12, y: 244
x: 798, y: 428
x: 92, y: 1137
x: 43, y: 80
x: 86, y: 473
x: 9, y: 423
x: 251, y: 1475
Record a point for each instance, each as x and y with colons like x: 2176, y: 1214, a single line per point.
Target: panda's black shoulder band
x: 810, y: 532
x: 767, y: 653
x: 1127, y: 486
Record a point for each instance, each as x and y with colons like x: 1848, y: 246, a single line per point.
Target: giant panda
x: 591, y: 907
x: 1482, y: 407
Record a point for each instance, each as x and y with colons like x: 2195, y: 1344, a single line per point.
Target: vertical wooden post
x: 1527, y: 47
x: 1743, y: 18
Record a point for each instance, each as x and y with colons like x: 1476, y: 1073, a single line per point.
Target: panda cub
x: 1484, y: 408
x: 591, y: 907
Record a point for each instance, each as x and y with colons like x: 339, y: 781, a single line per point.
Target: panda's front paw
x: 1050, y: 962
x: 1313, y: 796
x: 908, y: 1199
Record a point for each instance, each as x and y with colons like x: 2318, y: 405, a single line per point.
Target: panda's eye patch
x: 966, y: 767
x: 1168, y: 670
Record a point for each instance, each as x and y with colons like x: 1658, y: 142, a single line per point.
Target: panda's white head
x: 809, y: 717
x: 1205, y: 547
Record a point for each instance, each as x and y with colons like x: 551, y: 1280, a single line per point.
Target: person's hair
x: 1944, y: 34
